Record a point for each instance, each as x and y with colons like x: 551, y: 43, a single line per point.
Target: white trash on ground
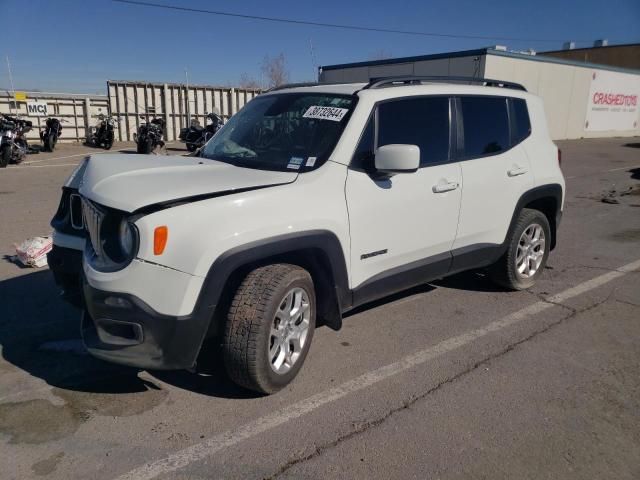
x: 33, y: 251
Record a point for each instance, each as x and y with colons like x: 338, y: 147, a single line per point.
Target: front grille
x: 75, y: 208
x: 93, y: 218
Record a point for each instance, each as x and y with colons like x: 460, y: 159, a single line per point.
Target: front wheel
x: 5, y: 155
x: 270, y: 325
x: 145, y: 145
x: 526, y: 256
x: 108, y: 143
x: 50, y: 143
x: 191, y: 147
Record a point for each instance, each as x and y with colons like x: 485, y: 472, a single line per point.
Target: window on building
x: 486, y: 125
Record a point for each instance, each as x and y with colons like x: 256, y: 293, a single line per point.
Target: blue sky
x: 76, y: 45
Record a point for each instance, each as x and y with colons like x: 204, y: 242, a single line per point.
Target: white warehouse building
x: 582, y: 100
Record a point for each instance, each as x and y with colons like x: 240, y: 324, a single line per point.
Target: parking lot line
x: 82, y: 155
x: 56, y: 158
x: 227, y: 439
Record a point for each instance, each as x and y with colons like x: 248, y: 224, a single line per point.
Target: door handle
x: 515, y: 171
x: 445, y: 187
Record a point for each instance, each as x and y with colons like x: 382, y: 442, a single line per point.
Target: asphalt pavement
x: 456, y: 379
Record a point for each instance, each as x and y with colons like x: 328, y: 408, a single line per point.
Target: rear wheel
x: 270, y: 325
x: 191, y: 147
x: 526, y: 256
x: 5, y: 155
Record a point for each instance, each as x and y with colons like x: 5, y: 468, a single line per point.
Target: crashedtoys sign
x: 613, y: 102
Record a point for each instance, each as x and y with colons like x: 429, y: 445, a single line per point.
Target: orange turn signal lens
x: 160, y: 236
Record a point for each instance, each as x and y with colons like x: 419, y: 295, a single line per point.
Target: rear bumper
x: 121, y: 328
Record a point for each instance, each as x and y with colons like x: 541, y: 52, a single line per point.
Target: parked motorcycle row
x: 150, y: 135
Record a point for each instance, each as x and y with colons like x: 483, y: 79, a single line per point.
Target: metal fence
x: 136, y: 102
x: 132, y: 103
x: 77, y: 112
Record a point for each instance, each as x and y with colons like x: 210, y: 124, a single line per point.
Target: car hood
x: 130, y: 182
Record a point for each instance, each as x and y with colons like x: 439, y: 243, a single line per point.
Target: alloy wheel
x: 289, y: 330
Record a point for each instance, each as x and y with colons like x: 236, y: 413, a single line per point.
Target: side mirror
x: 397, y: 158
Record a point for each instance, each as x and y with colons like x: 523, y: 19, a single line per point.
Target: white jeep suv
x: 312, y: 200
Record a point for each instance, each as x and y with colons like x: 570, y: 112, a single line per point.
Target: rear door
x: 402, y: 228
x: 495, y: 171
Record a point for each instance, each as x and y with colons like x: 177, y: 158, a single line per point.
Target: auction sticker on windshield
x: 325, y: 113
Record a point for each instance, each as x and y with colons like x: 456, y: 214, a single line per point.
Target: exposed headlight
x: 127, y: 237
x: 117, y: 239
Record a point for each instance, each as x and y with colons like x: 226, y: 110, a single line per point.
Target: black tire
x: 191, y: 147
x: 108, y: 143
x: 247, y: 337
x: 145, y: 145
x: 50, y: 144
x: 5, y: 156
x: 505, y: 271
x: 23, y: 148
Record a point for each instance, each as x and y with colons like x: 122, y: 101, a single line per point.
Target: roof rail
x: 292, y: 85
x: 308, y: 84
x: 382, y: 82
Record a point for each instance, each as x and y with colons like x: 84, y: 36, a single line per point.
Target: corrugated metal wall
x: 464, y: 66
x: 134, y: 102
x: 76, y: 111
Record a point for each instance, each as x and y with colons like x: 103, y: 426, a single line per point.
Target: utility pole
x: 313, y: 61
x: 186, y: 75
x: 13, y: 91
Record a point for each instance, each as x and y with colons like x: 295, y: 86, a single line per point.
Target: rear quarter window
x: 521, y: 123
x: 486, y: 125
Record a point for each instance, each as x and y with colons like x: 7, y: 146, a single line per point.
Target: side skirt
x: 424, y: 271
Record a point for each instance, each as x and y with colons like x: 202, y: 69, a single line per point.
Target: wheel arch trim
x: 253, y: 253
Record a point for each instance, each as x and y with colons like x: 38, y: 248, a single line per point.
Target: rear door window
x: 486, y: 125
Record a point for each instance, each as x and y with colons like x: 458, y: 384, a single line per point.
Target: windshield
x: 286, y: 132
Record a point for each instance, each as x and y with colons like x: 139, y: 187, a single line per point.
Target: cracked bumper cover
x: 121, y: 328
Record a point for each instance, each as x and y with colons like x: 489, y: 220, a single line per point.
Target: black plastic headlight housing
x: 119, y: 238
x: 114, y: 238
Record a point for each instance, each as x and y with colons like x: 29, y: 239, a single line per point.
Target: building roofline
x: 391, y: 61
x: 482, y: 51
x: 591, y: 48
x: 562, y: 61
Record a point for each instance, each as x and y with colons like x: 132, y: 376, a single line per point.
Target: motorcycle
x: 13, y: 141
x: 196, y: 135
x: 103, y: 134
x: 149, y: 135
x: 50, y: 134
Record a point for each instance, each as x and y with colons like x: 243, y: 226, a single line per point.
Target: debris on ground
x: 33, y: 251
